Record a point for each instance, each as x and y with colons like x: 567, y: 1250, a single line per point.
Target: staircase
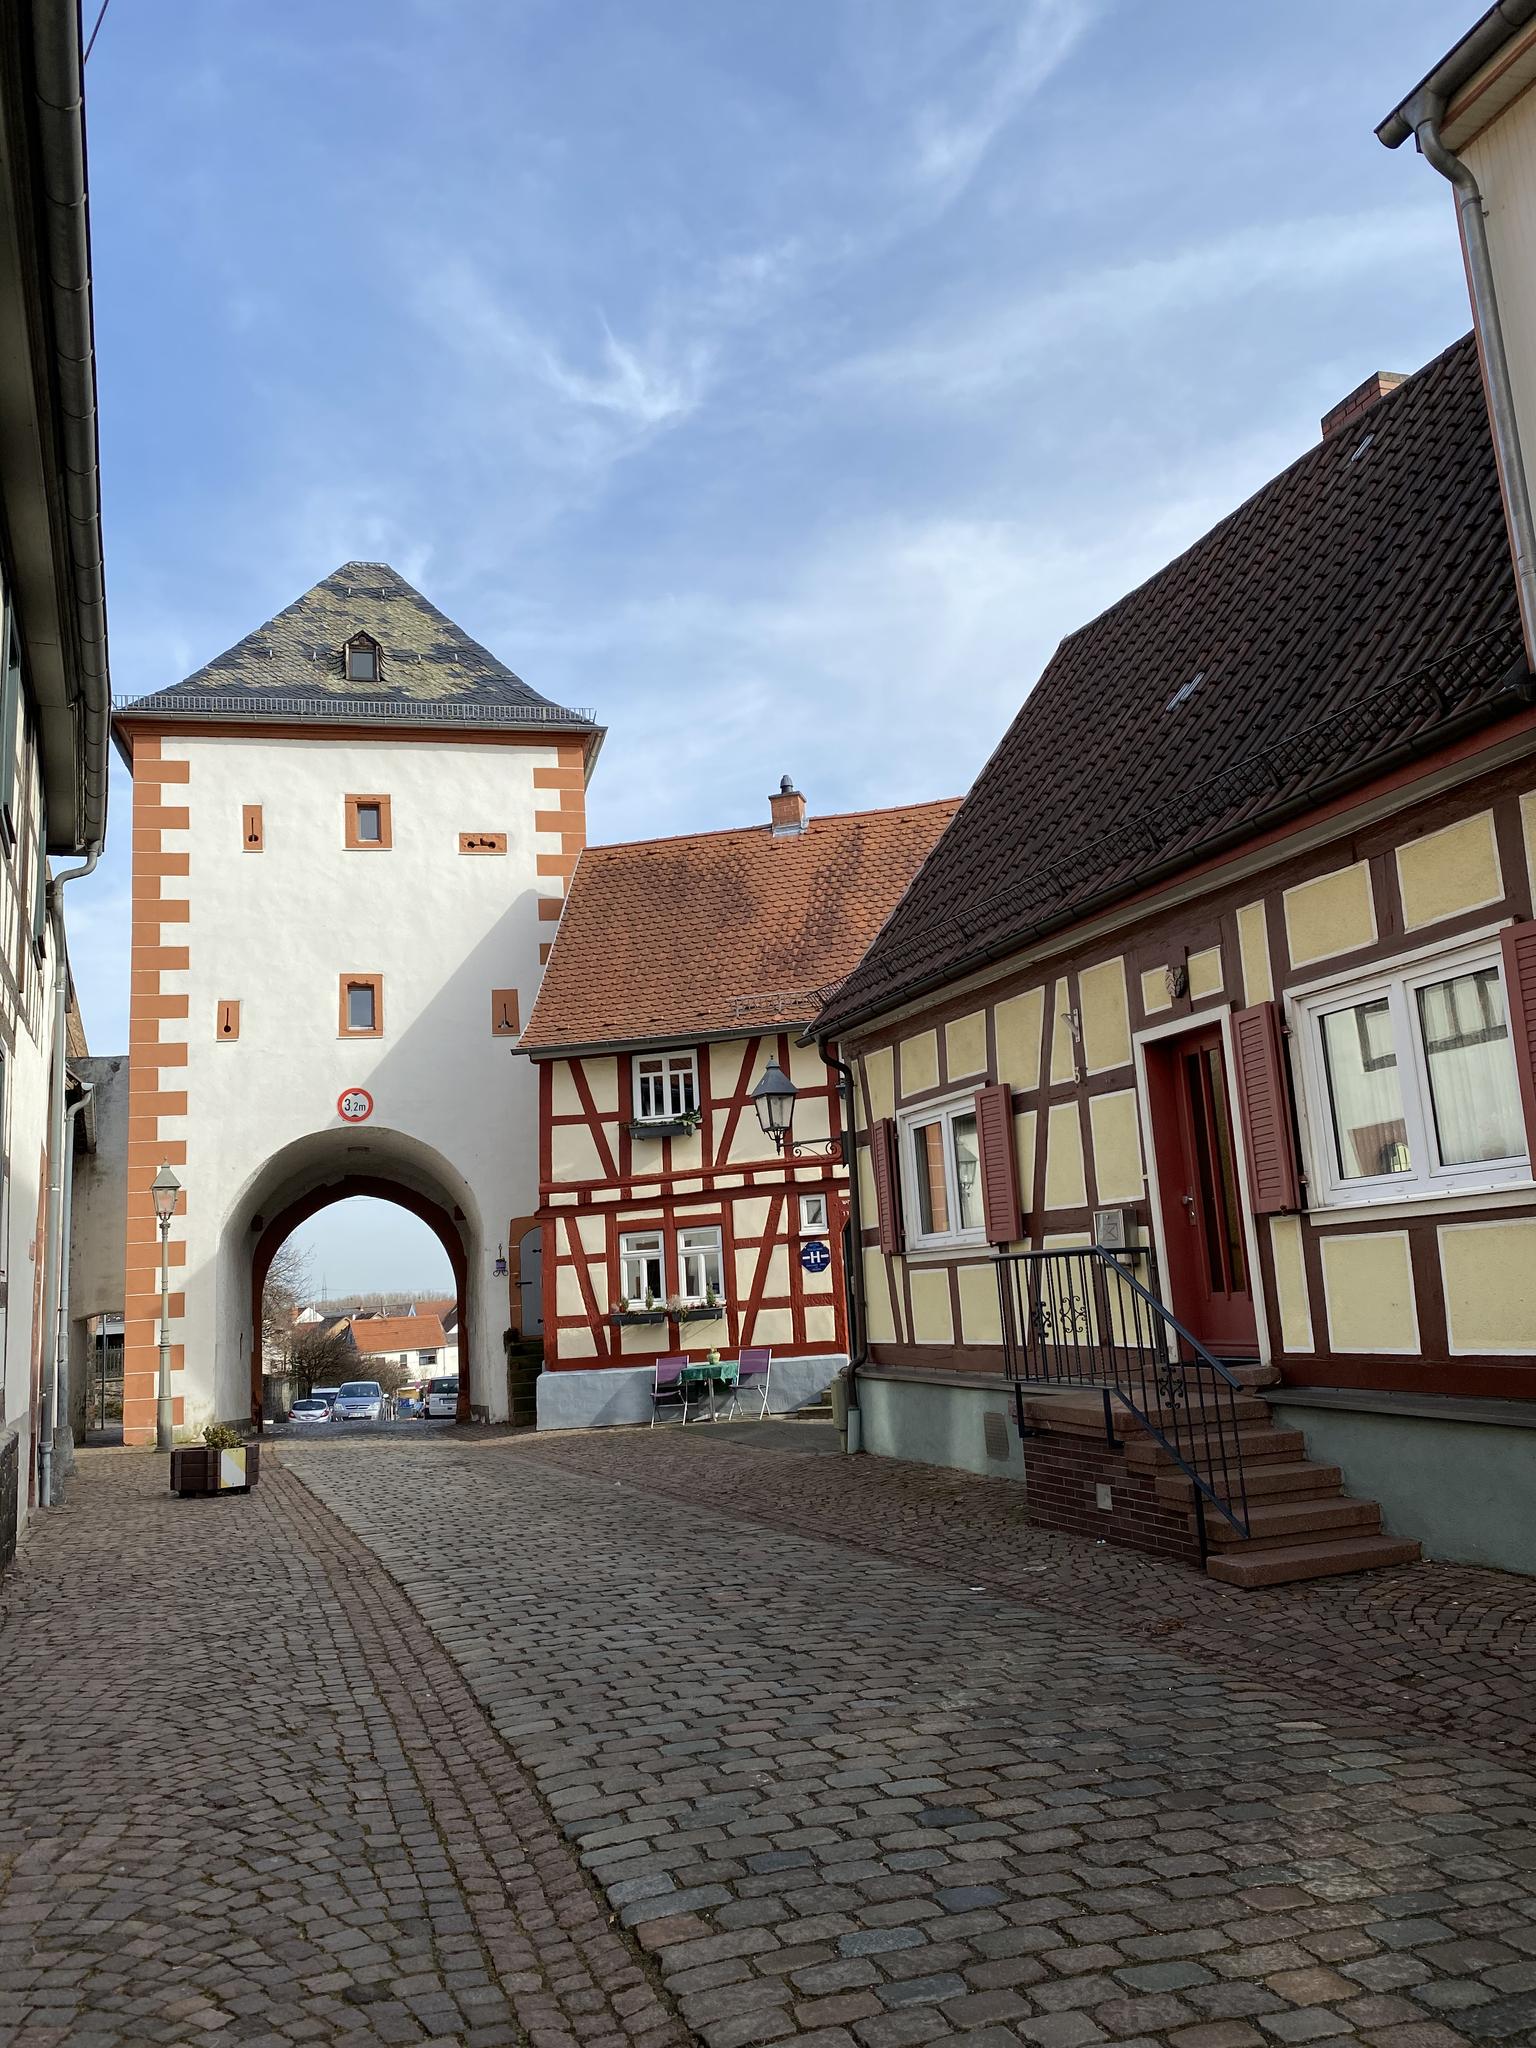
x: 1301, y: 1523
x: 1201, y: 1467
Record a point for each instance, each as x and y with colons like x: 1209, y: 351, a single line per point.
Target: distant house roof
x: 1357, y: 610
x: 382, y: 1334
x: 442, y: 1308
x: 429, y: 671
x: 722, y: 933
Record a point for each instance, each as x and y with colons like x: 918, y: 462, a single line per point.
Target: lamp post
x: 774, y: 1099
x: 164, y: 1192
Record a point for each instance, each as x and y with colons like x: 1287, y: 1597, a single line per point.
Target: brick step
x: 1258, y: 1446
x: 1283, y: 1564
x: 1300, y: 1521
x: 1292, y: 1478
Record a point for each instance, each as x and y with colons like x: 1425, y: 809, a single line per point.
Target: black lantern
x: 774, y: 1100
x: 500, y: 1267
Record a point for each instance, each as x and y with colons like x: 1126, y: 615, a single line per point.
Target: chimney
x: 1360, y: 400
x: 788, y: 808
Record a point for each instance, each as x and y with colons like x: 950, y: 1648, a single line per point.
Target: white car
x: 310, y: 1411
x: 442, y: 1402
x: 359, y: 1401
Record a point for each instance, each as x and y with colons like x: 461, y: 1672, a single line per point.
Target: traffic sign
x: 354, y: 1105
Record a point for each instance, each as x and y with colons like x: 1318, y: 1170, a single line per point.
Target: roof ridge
x: 930, y: 803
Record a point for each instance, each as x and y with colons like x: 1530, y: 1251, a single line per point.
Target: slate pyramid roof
x: 292, y: 668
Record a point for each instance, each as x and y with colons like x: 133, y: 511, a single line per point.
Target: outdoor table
x: 707, y: 1379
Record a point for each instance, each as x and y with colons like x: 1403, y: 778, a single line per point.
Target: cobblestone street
x: 640, y: 1736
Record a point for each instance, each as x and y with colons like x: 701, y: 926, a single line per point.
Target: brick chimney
x: 788, y: 808
x: 1359, y: 401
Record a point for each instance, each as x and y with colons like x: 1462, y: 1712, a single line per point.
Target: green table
x: 706, y: 1379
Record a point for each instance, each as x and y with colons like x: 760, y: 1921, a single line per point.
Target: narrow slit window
x: 368, y: 823
x: 362, y: 1005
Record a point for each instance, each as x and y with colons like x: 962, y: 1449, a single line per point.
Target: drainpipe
x: 55, y: 1250
x: 1423, y: 114
x: 858, y: 1352
x: 63, y: 1432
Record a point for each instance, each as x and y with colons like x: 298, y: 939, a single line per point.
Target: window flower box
x: 202, y: 1469
x: 629, y: 1316
x: 665, y: 1126
x: 686, y: 1312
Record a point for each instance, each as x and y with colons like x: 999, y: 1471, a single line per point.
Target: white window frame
x: 676, y: 1063
x: 697, y: 1245
x: 1398, y: 980
x: 814, y: 1215
x: 908, y: 1123
x: 637, y: 1248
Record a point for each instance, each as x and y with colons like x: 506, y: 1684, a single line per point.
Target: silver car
x: 310, y: 1411
x: 360, y: 1401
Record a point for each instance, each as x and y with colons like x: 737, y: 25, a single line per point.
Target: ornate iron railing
x: 1081, y: 1318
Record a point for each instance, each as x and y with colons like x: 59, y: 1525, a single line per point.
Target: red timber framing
x: 672, y: 1184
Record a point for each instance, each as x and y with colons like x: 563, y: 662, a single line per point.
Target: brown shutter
x: 999, y: 1163
x: 1519, y: 944
x: 1273, y: 1180
x: 882, y: 1158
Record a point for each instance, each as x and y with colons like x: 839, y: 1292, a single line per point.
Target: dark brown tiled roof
x: 723, y: 932
x: 1358, y: 607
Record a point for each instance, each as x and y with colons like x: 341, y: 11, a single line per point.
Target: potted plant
x: 224, y: 1462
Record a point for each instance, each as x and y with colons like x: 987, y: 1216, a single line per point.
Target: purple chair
x: 668, y: 1390
x: 753, y: 1369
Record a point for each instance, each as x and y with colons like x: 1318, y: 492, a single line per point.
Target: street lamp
x: 164, y: 1192
x: 774, y: 1099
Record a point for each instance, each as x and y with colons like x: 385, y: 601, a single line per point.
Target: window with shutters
x: 941, y: 1175
x: 1409, y: 1080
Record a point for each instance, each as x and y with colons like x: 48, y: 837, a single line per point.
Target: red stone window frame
x: 354, y: 807
x: 348, y: 983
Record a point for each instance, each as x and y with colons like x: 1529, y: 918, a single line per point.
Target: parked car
x: 312, y: 1410
x: 360, y: 1401
x: 326, y: 1394
x: 442, y: 1401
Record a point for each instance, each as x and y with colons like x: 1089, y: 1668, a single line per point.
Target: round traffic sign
x: 354, y: 1105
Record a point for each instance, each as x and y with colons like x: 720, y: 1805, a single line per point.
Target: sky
x: 782, y: 379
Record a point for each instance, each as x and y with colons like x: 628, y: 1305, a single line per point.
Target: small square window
x: 666, y: 1086
x: 362, y: 1006
x: 368, y: 823
x: 813, y: 1212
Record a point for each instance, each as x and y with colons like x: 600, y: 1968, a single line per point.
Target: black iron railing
x: 1082, y: 1318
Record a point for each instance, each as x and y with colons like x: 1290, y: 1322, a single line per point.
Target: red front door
x: 1209, y: 1286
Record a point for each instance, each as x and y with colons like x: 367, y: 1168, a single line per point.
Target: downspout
x: 63, y: 1433
x: 55, y: 1251
x: 1424, y: 113
x: 858, y: 1349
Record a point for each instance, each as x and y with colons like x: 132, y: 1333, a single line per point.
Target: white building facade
x: 352, y: 836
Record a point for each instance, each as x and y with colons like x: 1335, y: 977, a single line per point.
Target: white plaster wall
x: 275, y: 930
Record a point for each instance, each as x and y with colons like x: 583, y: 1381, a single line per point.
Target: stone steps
x: 1283, y: 1521
x: 1279, y: 1564
x: 1265, y: 1481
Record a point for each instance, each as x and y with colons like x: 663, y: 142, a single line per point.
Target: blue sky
x: 782, y: 379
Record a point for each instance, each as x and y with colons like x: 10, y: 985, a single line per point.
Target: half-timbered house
x: 1196, y: 1072
x: 669, y: 1221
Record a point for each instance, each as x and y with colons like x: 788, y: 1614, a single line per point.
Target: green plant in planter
x: 218, y: 1436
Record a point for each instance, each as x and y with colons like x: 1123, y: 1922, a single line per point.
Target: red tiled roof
x: 723, y: 932
x: 438, y: 1307
x: 1357, y: 610
x: 380, y: 1334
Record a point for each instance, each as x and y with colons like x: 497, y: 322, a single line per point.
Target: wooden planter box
x: 697, y: 1313
x: 197, y: 1470
x: 665, y: 1127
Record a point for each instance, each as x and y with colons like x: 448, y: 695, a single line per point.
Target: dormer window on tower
x: 361, y: 658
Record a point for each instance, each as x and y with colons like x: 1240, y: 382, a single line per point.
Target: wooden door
x: 1209, y: 1284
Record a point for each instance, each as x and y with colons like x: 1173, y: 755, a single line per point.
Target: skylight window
x: 1186, y: 690
x: 1360, y: 447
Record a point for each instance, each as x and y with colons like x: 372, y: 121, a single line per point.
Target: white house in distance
x: 415, y: 1342
x: 415, y: 808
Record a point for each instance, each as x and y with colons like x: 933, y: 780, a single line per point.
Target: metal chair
x: 667, y: 1390
x: 753, y: 1371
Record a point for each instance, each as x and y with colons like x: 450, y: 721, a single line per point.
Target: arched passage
x: 444, y: 1226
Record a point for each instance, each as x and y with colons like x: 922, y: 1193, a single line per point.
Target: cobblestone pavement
x: 841, y: 1789
x: 245, y: 1796
x: 1445, y: 1647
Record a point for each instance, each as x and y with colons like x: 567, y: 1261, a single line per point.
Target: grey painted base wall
x: 622, y: 1394
x: 1465, y: 1489
x: 939, y: 1425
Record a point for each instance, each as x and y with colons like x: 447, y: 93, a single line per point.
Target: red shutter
x: 1273, y: 1180
x: 882, y: 1157
x: 1519, y: 944
x: 999, y: 1163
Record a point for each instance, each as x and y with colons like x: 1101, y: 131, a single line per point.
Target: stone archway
x: 444, y: 1225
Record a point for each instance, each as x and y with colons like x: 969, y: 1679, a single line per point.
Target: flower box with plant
x: 682, y: 1126
x: 224, y: 1462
